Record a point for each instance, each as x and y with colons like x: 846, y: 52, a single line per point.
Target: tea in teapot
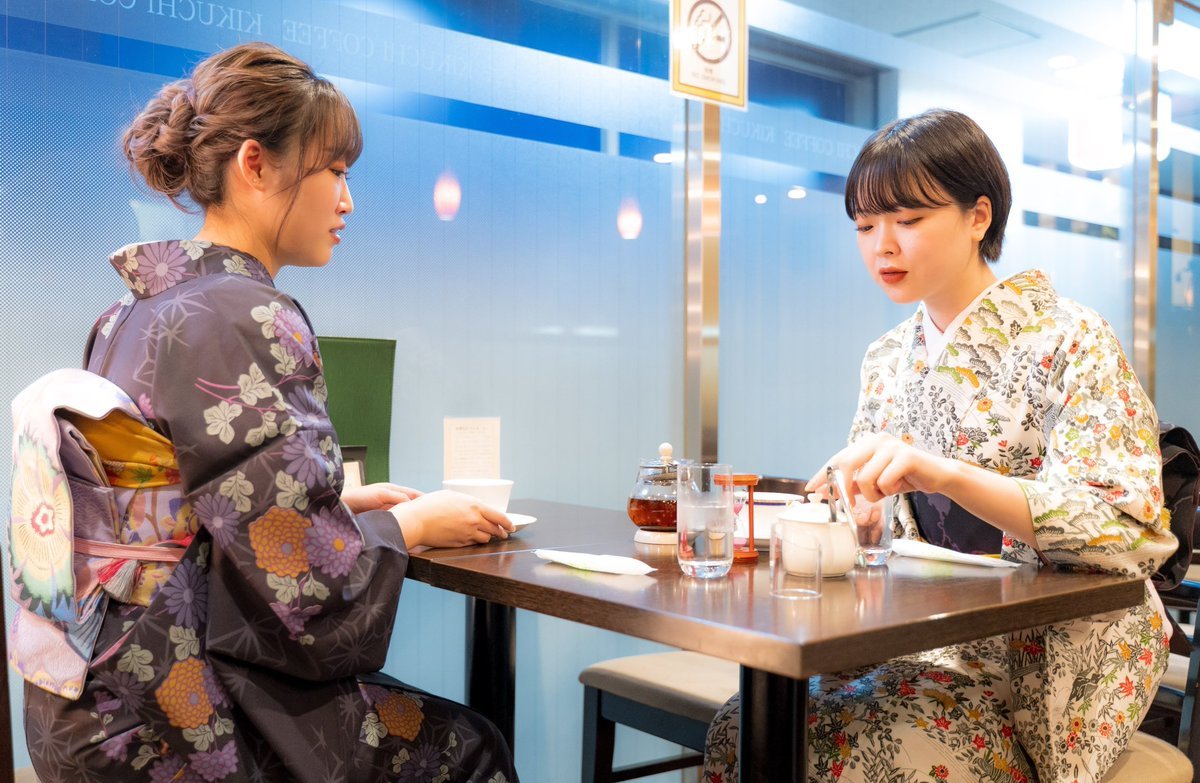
x: 652, y: 500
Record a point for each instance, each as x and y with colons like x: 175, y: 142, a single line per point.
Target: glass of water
x: 874, y: 536
x: 705, y: 519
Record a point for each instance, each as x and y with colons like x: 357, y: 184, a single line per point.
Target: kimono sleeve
x: 296, y: 581
x: 876, y: 380
x: 1096, y: 503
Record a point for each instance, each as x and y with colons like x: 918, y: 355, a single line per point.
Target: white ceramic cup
x: 494, y: 492
x: 838, y: 544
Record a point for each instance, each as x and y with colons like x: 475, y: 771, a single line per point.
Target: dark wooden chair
x: 673, y: 696
x: 781, y: 484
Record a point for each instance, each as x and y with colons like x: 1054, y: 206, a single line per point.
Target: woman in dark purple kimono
x: 252, y: 658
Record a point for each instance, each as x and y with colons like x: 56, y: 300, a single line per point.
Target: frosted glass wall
x: 526, y: 303
x: 797, y: 307
x: 1178, y: 330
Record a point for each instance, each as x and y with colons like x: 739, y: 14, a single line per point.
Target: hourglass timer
x: 743, y: 549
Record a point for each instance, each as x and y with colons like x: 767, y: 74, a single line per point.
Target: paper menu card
x: 471, y: 448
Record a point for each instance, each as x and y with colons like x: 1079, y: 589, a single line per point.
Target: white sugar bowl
x: 838, y: 544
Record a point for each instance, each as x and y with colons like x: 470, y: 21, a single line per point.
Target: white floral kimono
x: 1033, y: 386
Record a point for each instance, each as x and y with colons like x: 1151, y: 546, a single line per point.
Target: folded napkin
x: 609, y: 564
x: 907, y: 547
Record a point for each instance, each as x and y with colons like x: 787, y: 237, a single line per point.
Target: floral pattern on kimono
x: 256, y: 659
x: 1033, y: 386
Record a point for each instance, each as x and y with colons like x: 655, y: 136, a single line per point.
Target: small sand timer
x: 743, y: 549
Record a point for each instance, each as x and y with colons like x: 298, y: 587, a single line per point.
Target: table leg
x: 491, y: 663
x: 774, y: 728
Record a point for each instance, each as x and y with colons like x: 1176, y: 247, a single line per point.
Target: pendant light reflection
x: 629, y: 218
x: 447, y: 196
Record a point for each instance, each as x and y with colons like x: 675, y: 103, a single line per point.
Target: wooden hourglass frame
x: 746, y: 552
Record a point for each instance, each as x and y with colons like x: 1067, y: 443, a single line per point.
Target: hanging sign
x: 709, y: 48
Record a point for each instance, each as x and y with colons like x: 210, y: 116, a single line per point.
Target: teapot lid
x: 663, y: 460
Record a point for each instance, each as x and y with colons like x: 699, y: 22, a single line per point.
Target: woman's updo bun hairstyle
x: 185, y: 136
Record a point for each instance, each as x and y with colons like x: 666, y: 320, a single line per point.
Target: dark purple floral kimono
x: 253, y: 659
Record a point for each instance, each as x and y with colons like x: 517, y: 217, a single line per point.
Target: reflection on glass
x: 447, y: 196
x: 629, y: 218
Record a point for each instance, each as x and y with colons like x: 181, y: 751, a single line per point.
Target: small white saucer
x: 520, y: 520
x: 655, y: 537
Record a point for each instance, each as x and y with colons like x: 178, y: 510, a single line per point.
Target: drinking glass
x: 795, y: 561
x: 874, y: 538
x: 705, y: 519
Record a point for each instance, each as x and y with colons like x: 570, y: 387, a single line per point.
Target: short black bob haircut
x: 934, y: 159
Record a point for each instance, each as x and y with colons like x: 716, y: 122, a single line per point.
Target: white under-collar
x: 936, y: 339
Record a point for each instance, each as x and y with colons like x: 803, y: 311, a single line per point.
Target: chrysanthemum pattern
x: 278, y: 541
x: 333, y: 545
x: 183, y: 696
x: 161, y: 265
x: 292, y: 592
x: 401, y: 714
x: 40, y: 539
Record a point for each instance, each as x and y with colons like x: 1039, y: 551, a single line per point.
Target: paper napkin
x: 609, y: 564
x: 910, y: 548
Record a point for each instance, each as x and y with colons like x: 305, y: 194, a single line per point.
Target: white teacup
x: 494, y: 492
x: 838, y: 543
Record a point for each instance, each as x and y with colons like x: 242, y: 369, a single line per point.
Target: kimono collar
x: 150, y: 268
x: 1004, y: 309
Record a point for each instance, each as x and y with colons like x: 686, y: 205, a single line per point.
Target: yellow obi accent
x: 133, y: 454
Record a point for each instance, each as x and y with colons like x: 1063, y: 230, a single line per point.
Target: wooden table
x: 866, y: 617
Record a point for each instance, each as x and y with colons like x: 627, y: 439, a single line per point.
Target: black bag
x: 1181, y: 494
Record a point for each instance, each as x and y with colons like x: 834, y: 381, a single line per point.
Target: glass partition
x: 1178, y: 238
x: 511, y: 233
x: 797, y: 308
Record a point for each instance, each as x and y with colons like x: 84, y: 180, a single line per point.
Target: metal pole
x: 702, y: 252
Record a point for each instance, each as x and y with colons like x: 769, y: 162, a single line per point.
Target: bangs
x: 336, y: 134
x: 887, y: 179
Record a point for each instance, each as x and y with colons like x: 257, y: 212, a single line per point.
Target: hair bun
x: 184, y: 139
x: 158, y: 143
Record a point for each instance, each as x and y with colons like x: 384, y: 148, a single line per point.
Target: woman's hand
x: 379, y: 497
x: 450, y: 519
x: 879, y: 465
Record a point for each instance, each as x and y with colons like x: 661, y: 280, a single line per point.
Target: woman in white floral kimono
x: 1000, y: 417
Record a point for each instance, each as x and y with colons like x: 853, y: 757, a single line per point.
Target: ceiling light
x: 797, y: 193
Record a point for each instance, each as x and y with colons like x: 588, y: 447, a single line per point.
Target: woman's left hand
x: 377, y: 497
x: 879, y: 465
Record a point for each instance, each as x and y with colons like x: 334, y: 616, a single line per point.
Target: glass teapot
x: 652, y: 500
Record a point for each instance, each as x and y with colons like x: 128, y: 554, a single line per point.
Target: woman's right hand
x: 449, y: 519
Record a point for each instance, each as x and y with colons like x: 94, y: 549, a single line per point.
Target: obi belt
x: 97, y: 515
